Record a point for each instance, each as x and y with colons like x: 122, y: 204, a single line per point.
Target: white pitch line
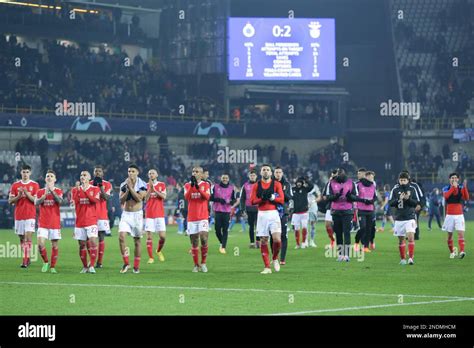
x: 232, y: 289
x: 370, y: 307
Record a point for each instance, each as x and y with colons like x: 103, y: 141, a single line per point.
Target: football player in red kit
x: 49, y: 199
x: 22, y: 195
x: 268, y: 195
x: 198, y: 192
x: 85, y: 197
x: 155, y: 214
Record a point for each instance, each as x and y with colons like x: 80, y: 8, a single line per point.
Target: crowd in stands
x: 284, y: 110
x: 437, y: 85
x: 105, y: 21
x: 422, y: 161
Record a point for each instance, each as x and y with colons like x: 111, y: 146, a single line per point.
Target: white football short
x: 155, y: 225
x: 22, y: 226
x: 132, y: 223
x: 401, y: 228
x: 328, y: 216
x: 82, y: 233
x: 49, y: 233
x: 268, y: 221
x: 197, y: 226
x: 300, y: 221
x: 454, y: 223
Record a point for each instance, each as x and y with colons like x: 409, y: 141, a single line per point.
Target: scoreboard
x: 288, y: 49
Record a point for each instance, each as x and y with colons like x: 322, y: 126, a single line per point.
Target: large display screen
x: 291, y: 49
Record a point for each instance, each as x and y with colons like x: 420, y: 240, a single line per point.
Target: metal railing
x: 434, y: 123
x: 29, y: 110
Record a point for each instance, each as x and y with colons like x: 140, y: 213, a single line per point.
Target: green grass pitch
x: 310, y: 284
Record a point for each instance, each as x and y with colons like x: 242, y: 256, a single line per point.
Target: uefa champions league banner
x: 98, y: 124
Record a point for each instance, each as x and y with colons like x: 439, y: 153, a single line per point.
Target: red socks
x: 136, y: 262
x: 402, y: 249
x: 125, y: 259
x: 411, y: 249
x: 101, y: 250
x: 297, y: 236
x: 305, y: 233
x: 43, y: 253
x: 88, y: 244
x: 54, y: 256
x: 451, y: 245
x: 461, y: 244
x: 149, y: 248
x: 195, y: 253
x: 330, y: 232
x: 93, y: 254
x: 204, y: 253
x: 266, y: 259
x: 83, y: 255
x: 160, y: 244
x: 276, y: 249
x: 26, y: 247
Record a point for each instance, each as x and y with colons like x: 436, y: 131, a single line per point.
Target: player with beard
x: 283, y: 214
x: 404, y: 198
x: 267, y: 193
x: 103, y: 225
x: 132, y: 193
x: 342, y: 192
x: 250, y: 209
x: 300, y: 211
x: 198, y: 192
x: 223, y: 196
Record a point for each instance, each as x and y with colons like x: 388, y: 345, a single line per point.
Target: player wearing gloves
x: 454, y: 194
x: 268, y: 194
x: 404, y: 198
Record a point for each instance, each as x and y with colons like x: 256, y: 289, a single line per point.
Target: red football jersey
x: 24, y: 208
x: 85, y: 205
x: 197, y: 200
x: 154, y: 205
x: 267, y: 205
x: 101, y: 207
x: 49, y: 210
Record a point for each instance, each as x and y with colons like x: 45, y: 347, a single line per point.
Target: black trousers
x: 222, y: 226
x: 252, y: 221
x: 367, y: 224
x: 342, y: 229
x: 284, y: 237
x: 185, y: 220
x: 417, y: 231
x: 435, y: 212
